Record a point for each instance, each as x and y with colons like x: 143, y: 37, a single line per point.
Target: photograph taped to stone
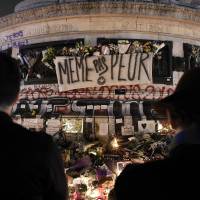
x: 147, y: 126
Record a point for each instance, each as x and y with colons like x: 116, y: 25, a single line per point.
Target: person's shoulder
x: 141, y: 179
x: 147, y: 165
x: 148, y: 169
x: 33, y: 138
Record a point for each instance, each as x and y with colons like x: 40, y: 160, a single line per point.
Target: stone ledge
x: 101, y: 8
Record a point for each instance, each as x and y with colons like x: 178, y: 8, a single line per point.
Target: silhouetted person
x: 178, y: 176
x: 30, y: 164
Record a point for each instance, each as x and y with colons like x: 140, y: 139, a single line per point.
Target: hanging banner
x: 92, y: 71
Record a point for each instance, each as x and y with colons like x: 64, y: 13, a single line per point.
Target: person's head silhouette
x: 183, y: 105
x: 9, y: 82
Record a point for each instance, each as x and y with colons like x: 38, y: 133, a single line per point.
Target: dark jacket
x: 30, y: 164
x: 175, y: 177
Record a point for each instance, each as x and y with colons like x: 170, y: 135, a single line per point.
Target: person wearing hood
x: 178, y: 175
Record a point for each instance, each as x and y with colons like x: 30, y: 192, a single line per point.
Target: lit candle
x: 114, y: 143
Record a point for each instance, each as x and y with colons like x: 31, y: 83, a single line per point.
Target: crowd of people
x: 32, y: 169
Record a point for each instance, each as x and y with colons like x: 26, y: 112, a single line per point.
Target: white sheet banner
x: 92, y: 71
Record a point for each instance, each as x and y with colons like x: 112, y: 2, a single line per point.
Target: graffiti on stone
x: 134, y: 92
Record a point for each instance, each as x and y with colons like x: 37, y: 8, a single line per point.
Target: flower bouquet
x: 123, y: 46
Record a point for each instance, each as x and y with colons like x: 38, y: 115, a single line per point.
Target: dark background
x: 7, y: 6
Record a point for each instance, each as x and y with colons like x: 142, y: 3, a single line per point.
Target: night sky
x: 7, y: 6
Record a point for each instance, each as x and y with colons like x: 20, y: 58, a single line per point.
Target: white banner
x: 92, y: 71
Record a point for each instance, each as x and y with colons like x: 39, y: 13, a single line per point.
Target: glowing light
x: 160, y: 127
x: 118, y: 172
x: 114, y: 143
x: 166, y: 128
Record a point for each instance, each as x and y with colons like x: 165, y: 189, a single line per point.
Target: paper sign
x: 53, y: 123
x: 127, y: 130
x: 23, y: 106
x: 121, y: 166
x: 101, y: 126
x: 49, y: 108
x: 104, y: 107
x: 15, y: 52
x: 35, y: 106
x: 89, y: 120
x: 119, y: 121
x: 33, y: 123
x: 90, y: 107
x: 103, y: 129
x: 97, y: 107
x: 40, y: 123
x: 176, y: 77
x: 126, y: 109
x: 128, y: 120
x: 147, y: 126
x: 52, y: 131
x: 177, y: 50
x: 31, y: 106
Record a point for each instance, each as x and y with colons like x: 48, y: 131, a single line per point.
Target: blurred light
x: 160, y: 127
x: 114, y: 143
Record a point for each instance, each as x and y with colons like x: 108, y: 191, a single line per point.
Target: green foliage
x: 49, y: 56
